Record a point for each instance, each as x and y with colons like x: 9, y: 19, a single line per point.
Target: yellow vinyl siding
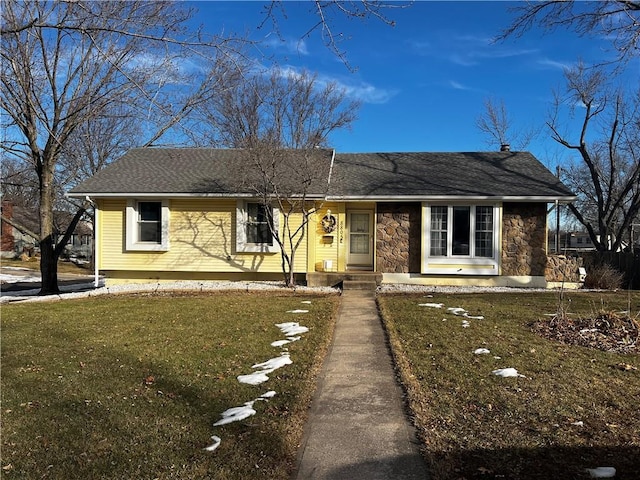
x: 202, y: 238
x: 326, y: 246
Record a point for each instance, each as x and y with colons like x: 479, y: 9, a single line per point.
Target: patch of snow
x: 255, y: 378
x: 280, y: 343
x: 298, y: 311
x: 291, y: 329
x: 578, y: 424
x: 497, y: 358
x: 465, y: 324
x: 236, y: 414
x: 274, y: 363
x: 507, y: 372
x: 463, y: 313
x: 214, y: 445
x: 18, y: 278
x: 481, y: 351
x: 602, y: 472
x: 432, y: 305
x: 269, y: 394
x: 307, y: 302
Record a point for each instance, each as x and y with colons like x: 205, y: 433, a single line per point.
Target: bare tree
x: 67, y: 64
x: 606, y: 175
x: 496, y: 123
x: 616, y: 20
x: 282, y: 120
x: 325, y: 13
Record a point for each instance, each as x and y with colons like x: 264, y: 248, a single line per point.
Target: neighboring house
x: 581, y: 242
x: 578, y: 241
x: 20, y: 227
x: 477, y: 218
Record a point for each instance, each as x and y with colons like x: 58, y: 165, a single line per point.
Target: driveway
x: 14, y: 279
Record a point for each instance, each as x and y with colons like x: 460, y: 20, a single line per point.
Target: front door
x: 360, y: 248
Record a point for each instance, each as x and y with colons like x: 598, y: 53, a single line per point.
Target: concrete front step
x: 334, y: 279
x: 359, y: 285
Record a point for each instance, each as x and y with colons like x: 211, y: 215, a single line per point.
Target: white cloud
x: 547, y: 62
x: 357, y: 90
x: 468, y: 50
x: 458, y: 86
x: 291, y: 45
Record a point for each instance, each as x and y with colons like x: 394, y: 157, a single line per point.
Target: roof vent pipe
x: 505, y: 147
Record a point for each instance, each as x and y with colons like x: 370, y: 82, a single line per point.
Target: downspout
x: 96, y: 275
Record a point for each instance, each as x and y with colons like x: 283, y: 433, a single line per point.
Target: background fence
x: 626, y: 262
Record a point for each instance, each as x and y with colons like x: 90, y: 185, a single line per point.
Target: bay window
x: 461, y: 238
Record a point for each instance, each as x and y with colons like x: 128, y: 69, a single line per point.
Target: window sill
x: 257, y: 248
x: 147, y: 247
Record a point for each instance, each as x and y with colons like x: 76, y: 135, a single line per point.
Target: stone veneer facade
x: 398, y: 237
x: 561, y: 268
x: 524, y: 239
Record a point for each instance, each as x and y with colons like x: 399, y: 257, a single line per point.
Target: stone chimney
x: 505, y: 147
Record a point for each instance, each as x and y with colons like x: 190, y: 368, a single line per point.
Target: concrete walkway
x: 357, y: 427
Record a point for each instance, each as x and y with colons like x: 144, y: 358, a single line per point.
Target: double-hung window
x: 255, y: 225
x: 147, y: 225
x: 258, y: 224
x: 461, y: 239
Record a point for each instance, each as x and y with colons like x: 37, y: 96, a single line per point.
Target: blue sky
x: 423, y: 82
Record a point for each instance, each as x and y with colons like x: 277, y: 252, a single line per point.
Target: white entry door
x: 360, y: 227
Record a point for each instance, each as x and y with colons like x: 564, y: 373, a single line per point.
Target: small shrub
x: 604, y: 277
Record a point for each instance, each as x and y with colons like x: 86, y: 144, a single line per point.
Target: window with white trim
x: 254, y: 226
x: 147, y: 225
x: 461, y: 236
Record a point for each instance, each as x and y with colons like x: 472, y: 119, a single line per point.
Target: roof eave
x: 176, y: 195
x: 448, y: 198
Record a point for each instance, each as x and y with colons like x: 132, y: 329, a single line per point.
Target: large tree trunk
x: 48, y: 256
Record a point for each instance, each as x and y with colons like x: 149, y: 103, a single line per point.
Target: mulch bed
x: 608, y: 331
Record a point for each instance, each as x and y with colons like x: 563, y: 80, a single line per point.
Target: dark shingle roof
x: 202, y: 171
x: 197, y: 171
x: 428, y: 174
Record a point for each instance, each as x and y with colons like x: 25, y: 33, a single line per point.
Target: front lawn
x: 130, y: 386
x: 573, y: 408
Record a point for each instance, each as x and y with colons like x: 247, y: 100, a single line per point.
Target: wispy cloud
x: 459, y: 86
x: 354, y: 89
x: 548, y: 63
x: 368, y: 93
x: 456, y: 85
x: 290, y: 45
x: 468, y: 50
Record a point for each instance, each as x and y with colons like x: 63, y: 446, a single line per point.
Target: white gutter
x: 173, y: 195
x: 344, y: 198
x: 447, y: 198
